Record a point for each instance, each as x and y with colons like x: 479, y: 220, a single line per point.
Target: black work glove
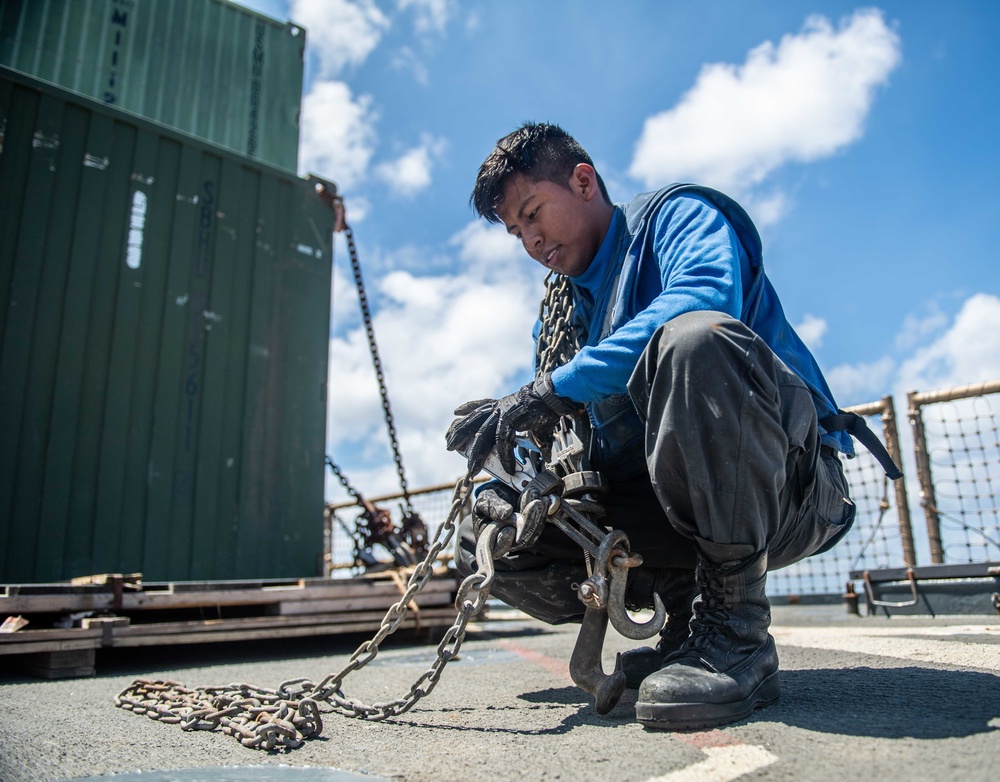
x: 535, y: 408
x: 497, y: 502
x: 478, y: 415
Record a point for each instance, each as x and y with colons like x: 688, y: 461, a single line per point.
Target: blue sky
x: 862, y: 139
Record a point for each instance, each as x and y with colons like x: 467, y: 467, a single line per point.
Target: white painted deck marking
x: 917, y: 644
x: 722, y: 764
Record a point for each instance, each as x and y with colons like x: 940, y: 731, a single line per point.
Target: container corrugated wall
x: 208, y: 67
x: 164, y: 321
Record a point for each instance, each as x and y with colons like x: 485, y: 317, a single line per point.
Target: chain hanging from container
x: 366, y: 315
x: 375, y: 525
x: 413, y: 528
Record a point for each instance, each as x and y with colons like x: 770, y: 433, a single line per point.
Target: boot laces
x: 711, y: 613
x: 710, y: 622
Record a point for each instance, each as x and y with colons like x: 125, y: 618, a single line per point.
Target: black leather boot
x: 728, y: 666
x: 677, y: 589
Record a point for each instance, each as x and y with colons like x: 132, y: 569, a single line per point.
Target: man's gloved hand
x: 534, y: 408
x: 478, y: 419
x: 495, y: 502
x: 498, y: 502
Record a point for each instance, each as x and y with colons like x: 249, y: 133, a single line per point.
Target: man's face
x: 560, y: 227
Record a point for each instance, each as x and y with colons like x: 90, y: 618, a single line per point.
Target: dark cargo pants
x: 734, y: 463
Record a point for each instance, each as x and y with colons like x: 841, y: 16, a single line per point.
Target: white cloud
x: 917, y: 327
x: 443, y: 340
x: 968, y: 352
x: 811, y: 330
x: 856, y: 384
x: 411, y: 172
x: 430, y: 16
x: 340, y: 33
x: 338, y: 133
x: 963, y: 352
x: 488, y: 246
x: 407, y: 60
x: 464, y: 334
x: 800, y: 100
x: 430, y: 20
x: 765, y: 209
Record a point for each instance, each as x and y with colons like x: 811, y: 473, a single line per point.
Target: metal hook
x: 619, y: 617
x: 585, y: 663
x: 611, y: 565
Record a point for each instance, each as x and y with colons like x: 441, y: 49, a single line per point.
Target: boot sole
x: 695, y: 716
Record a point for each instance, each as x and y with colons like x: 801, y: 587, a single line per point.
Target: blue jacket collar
x: 605, y: 260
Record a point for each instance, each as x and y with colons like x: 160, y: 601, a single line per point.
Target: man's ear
x: 583, y: 181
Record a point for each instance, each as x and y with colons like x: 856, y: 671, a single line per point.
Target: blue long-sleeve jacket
x: 681, y: 249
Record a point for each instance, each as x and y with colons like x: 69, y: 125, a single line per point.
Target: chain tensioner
x: 407, y: 544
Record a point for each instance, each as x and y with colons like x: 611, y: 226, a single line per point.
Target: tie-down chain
x: 283, y: 718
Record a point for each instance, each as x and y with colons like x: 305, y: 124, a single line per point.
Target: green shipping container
x: 164, y: 322
x: 208, y: 67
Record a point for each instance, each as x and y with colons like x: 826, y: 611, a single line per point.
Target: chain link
x: 559, y: 339
x: 284, y: 718
x: 268, y: 719
x: 344, y: 482
x: 352, y: 251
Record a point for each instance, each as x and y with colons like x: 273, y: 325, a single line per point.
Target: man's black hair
x: 540, y: 152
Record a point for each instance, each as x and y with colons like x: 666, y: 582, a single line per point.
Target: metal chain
x: 559, y: 339
x: 344, y: 482
x: 352, y: 251
x: 362, y: 526
x: 267, y: 719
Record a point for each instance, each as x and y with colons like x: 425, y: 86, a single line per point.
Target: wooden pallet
x: 121, y: 611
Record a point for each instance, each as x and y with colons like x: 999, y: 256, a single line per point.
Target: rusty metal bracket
x: 870, y: 595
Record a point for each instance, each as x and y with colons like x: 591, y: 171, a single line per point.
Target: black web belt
x: 857, y: 427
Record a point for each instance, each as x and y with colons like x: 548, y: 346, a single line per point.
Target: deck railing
x: 950, y: 456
